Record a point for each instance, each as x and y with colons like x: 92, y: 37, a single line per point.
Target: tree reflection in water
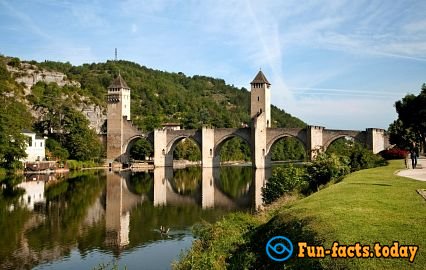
x: 108, y: 213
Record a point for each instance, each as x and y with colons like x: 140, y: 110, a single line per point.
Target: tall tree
x: 411, y: 124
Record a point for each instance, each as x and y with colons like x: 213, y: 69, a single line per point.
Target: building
x: 35, y: 147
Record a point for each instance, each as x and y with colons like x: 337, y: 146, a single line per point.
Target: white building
x: 35, y: 147
x: 34, y: 193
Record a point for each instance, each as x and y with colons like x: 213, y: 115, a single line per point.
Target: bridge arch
x: 357, y: 138
x: 278, y: 138
x: 127, y: 146
x: 222, y: 140
x: 274, y: 140
x: 171, y: 146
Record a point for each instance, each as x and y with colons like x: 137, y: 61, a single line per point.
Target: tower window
x: 258, y: 99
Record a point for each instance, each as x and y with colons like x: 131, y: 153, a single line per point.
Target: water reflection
x: 33, y: 193
x: 110, y: 213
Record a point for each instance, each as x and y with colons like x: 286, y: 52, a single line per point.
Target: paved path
x: 419, y: 173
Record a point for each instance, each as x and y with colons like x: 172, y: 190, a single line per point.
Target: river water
x: 85, y: 219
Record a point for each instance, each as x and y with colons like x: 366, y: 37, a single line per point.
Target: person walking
x: 413, y: 156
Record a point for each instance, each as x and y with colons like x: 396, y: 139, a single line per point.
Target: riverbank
x: 367, y: 206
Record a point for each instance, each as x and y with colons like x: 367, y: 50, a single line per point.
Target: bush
x: 284, y: 180
x: 362, y: 158
x: 14, y: 62
x: 78, y: 165
x: 327, y: 167
x: 394, y: 153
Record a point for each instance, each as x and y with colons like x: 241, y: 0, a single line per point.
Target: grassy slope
x: 368, y: 206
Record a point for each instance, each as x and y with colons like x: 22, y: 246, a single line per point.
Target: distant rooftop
x: 118, y: 82
x: 260, y: 78
x: 38, y: 136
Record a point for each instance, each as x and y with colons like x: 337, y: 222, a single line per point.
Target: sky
x: 334, y: 63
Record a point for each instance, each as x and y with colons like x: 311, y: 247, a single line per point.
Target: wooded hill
x: 157, y: 97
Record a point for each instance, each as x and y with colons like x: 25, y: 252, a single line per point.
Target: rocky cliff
x: 28, y: 75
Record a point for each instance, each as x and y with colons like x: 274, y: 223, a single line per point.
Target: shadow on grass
x: 252, y: 254
x: 383, y: 185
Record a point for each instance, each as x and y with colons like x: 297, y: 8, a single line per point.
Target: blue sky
x: 339, y: 64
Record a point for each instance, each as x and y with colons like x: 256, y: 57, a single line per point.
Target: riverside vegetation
x: 367, y: 206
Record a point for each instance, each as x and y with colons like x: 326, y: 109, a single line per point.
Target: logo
x: 279, y: 248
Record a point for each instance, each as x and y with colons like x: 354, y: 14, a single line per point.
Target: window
x: 258, y: 99
x: 41, y: 144
x: 30, y: 141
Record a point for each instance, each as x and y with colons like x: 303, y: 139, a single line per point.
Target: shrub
x: 394, y: 153
x: 284, y: 180
x: 326, y: 167
x: 362, y: 158
x: 78, y: 165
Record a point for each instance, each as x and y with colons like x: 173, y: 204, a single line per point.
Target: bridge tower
x: 261, y: 116
x: 260, y: 101
x: 118, y: 100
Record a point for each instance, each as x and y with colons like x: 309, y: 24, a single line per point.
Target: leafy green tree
x: 288, y: 149
x: 235, y: 150
x: 14, y: 117
x: 81, y: 142
x: 411, y: 124
x: 141, y: 150
x: 187, y: 150
x: 56, y: 150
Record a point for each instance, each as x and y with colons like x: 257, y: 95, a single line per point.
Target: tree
x: 411, y: 124
x: 141, y: 150
x: 81, y: 142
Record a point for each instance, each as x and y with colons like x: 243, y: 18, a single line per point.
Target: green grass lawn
x: 367, y: 206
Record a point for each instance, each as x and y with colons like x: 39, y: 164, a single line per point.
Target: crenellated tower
x: 118, y: 100
x: 261, y: 99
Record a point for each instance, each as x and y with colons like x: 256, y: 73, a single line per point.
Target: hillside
x: 159, y: 96
x: 58, y: 96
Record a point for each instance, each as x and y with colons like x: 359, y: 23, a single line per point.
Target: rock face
x: 96, y: 116
x: 28, y: 75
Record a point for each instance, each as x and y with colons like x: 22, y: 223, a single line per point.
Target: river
x: 86, y: 219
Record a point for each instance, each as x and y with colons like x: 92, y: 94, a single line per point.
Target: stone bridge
x: 122, y: 134
x: 210, y: 141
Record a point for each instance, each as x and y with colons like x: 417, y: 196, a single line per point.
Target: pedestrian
x: 413, y: 156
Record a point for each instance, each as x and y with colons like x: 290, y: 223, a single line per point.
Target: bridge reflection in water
x: 226, y: 188
x: 59, y: 220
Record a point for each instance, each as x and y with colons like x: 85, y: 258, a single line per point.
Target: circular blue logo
x: 279, y: 248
